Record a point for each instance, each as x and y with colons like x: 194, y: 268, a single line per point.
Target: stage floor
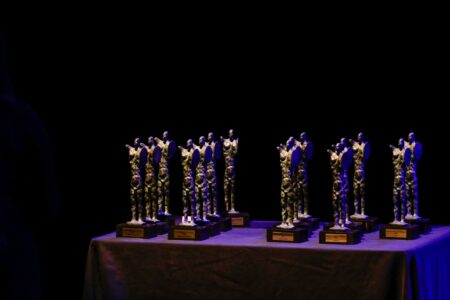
x: 241, y: 264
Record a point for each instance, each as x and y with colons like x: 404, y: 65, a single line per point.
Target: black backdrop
x: 96, y: 91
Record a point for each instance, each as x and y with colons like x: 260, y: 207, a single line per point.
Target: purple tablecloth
x: 240, y: 264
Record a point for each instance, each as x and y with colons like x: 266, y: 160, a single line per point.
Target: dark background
x: 98, y: 88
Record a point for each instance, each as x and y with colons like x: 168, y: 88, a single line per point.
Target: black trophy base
x: 369, y: 224
x: 191, y: 233
x: 423, y: 223
x: 343, y: 237
x: 213, y: 228
x: 144, y: 231
x: 225, y: 222
x: 287, y: 235
x: 399, y: 232
x: 240, y: 219
x: 162, y: 227
x: 314, y: 222
x: 358, y: 228
x: 305, y: 225
x: 169, y: 219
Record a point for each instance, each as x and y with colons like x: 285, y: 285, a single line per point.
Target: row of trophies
x: 297, y: 224
x: 150, y: 189
x: 201, y: 218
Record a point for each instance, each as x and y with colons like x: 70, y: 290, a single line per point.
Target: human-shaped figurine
x: 338, y: 195
x: 301, y: 178
x: 348, y: 152
x: 401, y: 157
x: 201, y: 185
x: 361, y: 152
x: 136, y: 182
x: 412, y: 193
x: 189, y: 161
x: 211, y: 175
x: 150, y: 184
x: 167, y: 151
x: 287, y: 186
x: 230, y: 149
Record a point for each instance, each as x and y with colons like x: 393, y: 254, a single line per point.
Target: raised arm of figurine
x: 129, y: 147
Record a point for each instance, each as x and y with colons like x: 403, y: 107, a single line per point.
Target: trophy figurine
x: 136, y: 182
x: 152, y: 158
x: 168, y: 150
x: 361, y: 153
x: 136, y: 227
x: 201, y: 186
x: 301, y: 192
x: 230, y: 149
x: 188, y: 229
x: 338, y: 232
x: 412, y: 192
x: 398, y: 228
x: 150, y: 184
x: 290, y: 156
x: 211, y: 179
x: 345, y: 170
x: 190, y: 158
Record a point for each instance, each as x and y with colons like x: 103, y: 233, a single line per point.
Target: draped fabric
x: 240, y: 264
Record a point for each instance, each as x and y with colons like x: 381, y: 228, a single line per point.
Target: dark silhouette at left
x: 28, y: 197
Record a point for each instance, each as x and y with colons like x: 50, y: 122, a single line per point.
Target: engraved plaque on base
x: 345, y: 237
x: 192, y: 233
x: 144, y: 231
x: 225, y: 222
x: 240, y: 219
x: 370, y: 224
x: 424, y: 224
x: 399, y: 232
x: 357, y: 227
x: 287, y: 235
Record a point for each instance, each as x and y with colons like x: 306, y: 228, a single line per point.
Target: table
x: 240, y: 264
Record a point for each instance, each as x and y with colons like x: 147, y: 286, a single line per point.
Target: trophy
x: 201, y: 188
x: 152, y: 154
x: 168, y: 150
x: 136, y: 227
x: 230, y: 149
x: 361, y: 153
x: 301, y: 193
x: 339, y: 232
x: 188, y: 229
x: 290, y: 156
x: 412, y: 193
x: 211, y: 179
x: 399, y: 229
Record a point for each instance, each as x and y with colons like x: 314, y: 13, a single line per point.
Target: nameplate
x: 133, y: 232
x: 396, y: 233
x: 335, y: 238
x: 283, y: 236
x: 237, y: 221
x: 184, y: 234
